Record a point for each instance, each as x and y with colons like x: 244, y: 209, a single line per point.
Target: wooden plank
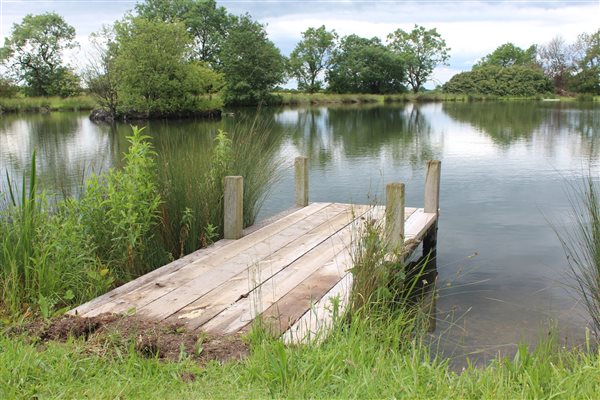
x: 206, y: 307
x: 289, y: 294
x: 310, y: 276
x: 233, y: 207
x: 149, y: 277
x: 248, y: 273
x: 168, y: 282
x: 318, y: 320
x: 417, y: 225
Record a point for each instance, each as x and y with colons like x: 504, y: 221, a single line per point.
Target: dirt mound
x: 166, y: 341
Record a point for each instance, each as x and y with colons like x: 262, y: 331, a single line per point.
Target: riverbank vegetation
x: 175, y: 59
x: 378, y: 350
x: 56, y: 254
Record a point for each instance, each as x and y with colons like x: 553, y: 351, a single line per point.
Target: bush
x: 500, y: 81
x: 120, y: 209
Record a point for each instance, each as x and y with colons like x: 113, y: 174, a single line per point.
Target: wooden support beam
x: 233, y: 207
x: 432, y: 187
x: 301, y: 178
x: 432, y: 205
x: 394, y: 215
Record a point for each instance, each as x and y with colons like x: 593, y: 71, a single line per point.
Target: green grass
x: 364, y: 360
x: 45, y: 104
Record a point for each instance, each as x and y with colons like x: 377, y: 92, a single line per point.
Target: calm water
x: 505, y: 169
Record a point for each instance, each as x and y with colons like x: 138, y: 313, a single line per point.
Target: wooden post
x: 301, y: 175
x: 432, y: 187
x: 394, y: 215
x: 233, y: 207
x: 432, y: 205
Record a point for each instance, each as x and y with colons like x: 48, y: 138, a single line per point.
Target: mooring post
x: 432, y: 205
x: 394, y: 215
x: 233, y: 207
x: 301, y: 178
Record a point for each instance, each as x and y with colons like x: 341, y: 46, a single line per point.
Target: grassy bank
x: 364, y: 360
x: 46, y: 104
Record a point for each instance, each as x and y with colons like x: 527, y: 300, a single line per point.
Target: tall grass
x: 190, y: 177
x: 46, y: 260
x: 582, y: 247
x: 44, y: 104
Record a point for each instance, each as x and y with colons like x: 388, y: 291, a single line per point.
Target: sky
x: 471, y: 29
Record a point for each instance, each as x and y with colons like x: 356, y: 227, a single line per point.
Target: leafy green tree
x: 252, y: 65
x: 312, y: 56
x: 33, y: 54
x: 422, y: 50
x: 587, y: 64
x: 155, y: 76
x: 508, y: 55
x: 517, y: 80
x: 361, y: 65
x: 204, y: 21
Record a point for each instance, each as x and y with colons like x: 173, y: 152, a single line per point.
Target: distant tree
x: 517, y: 80
x: 421, y: 50
x: 155, y: 76
x: 251, y: 63
x: 556, y: 59
x: 361, y: 65
x: 508, y: 55
x: 8, y: 88
x: 586, y: 76
x: 204, y: 21
x: 33, y: 54
x: 312, y: 56
x: 100, y: 75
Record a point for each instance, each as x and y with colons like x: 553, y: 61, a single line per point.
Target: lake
x: 506, y: 167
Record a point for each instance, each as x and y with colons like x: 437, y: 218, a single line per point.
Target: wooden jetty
x: 287, y: 270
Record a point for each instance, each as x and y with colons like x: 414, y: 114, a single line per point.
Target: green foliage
x: 362, y: 65
x: 120, y: 209
x: 311, y: 56
x: 46, y: 261
x: 8, y: 88
x: 192, y: 207
x: 154, y: 75
x: 582, y: 247
x: 586, y: 76
x: 421, y: 51
x: 500, y: 81
x: 206, y: 23
x: 509, y: 55
x: 252, y: 65
x: 33, y: 55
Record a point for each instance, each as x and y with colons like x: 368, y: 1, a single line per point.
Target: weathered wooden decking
x: 287, y: 271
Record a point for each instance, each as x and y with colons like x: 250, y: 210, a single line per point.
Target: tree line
x: 172, y: 57
x: 557, y: 66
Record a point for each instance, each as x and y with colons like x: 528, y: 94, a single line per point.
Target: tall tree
x: 204, y: 21
x: 252, y: 65
x: 587, y: 63
x: 508, y: 55
x: 33, y: 54
x: 361, y: 65
x: 556, y: 60
x: 155, y: 76
x: 100, y: 75
x: 312, y: 56
x: 422, y: 50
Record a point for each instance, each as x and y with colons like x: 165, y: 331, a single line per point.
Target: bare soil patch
x: 166, y: 341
